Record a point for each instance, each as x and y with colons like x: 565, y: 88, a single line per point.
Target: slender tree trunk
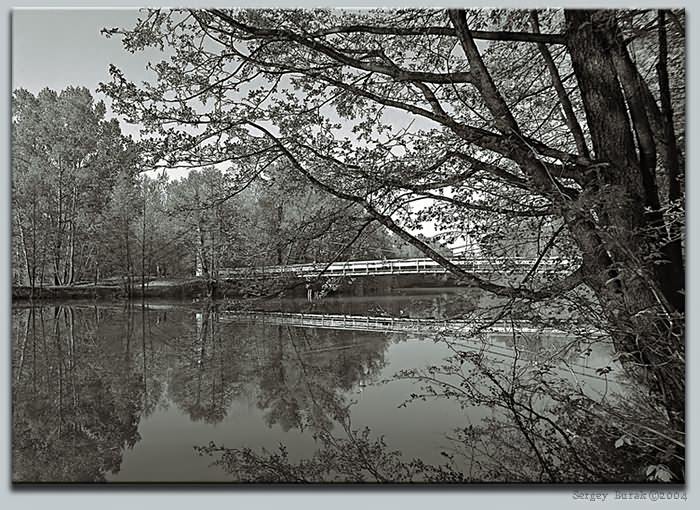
x: 128, y: 256
x: 34, y: 232
x: 70, y: 277
x: 58, y: 243
x: 143, y: 245
x: 23, y: 246
x: 43, y: 269
x: 202, y: 253
x: 280, y: 248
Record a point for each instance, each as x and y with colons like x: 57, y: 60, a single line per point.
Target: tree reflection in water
x: 541, y: 424
x: 85, y: 377
x: 76, y: 398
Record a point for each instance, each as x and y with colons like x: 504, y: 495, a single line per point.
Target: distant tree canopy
x: 86, y: 209
x: 278, y: 219
x: 568, y: 124
x: 66, y: 159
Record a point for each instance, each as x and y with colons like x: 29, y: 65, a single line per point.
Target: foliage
x: 65, y: 160
x: 82, y: 211
x: 566, y: 126
x: 532, y: 132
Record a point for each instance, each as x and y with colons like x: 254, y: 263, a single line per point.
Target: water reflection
x: 434, y: 303
x: 77, y: 391
x: 124, y: 393
x: 84, y: 377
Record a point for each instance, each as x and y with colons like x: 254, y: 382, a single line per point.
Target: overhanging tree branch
x: 389, y: 70
x: 564, y: 100
x: 486, y: 35
x: 568, y: 283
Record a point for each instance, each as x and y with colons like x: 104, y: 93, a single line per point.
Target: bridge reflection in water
x: 123, y: 393
x: 388, y: 324
x: 492, y: 337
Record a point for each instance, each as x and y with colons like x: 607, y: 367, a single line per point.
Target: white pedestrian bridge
x: 399, y: 266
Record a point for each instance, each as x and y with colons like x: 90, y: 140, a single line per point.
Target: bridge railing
x: 391, y: 266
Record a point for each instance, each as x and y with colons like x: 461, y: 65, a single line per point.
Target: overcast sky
x: 57, y: 48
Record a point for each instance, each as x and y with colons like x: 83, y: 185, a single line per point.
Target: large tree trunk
x: 674, y: 164
x: 640, y: 297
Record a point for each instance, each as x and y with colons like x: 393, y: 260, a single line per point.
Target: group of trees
x: 566, y: 123
x: 277, y: 218
x: 570, y: 120
x: 67, y: 160
x: 86, y: 209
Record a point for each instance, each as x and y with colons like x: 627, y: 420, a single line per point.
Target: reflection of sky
x: 167, y: 436
x: 418, y: 430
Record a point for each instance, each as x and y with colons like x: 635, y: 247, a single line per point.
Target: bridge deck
x: 397, y: 266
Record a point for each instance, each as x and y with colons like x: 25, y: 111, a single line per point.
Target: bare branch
x: 570, y: 282
x: 485, y: 35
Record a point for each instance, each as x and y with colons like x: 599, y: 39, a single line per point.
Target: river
x: 124, y: 392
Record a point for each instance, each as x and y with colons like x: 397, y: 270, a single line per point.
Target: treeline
x: 68, y: 165
x: 85, y: 209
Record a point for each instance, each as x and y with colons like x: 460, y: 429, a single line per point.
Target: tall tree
x: 496, y: 117
x: 65, y: 159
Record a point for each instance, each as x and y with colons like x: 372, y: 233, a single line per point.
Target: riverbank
x: 197, y: 288
x: 170, y: 289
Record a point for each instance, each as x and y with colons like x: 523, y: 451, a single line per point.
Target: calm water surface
x: 124, y: 393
